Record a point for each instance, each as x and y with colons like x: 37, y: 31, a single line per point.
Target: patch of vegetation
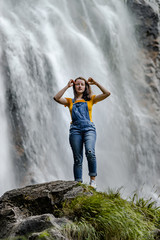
x: 108, y: 216
x: 43, y: 235
x: 80, y: 230
x: 147, y: 208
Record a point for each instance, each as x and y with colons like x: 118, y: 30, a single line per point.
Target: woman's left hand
x: 91, y: 81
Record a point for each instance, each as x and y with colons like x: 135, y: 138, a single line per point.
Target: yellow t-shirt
x: 89, y: 104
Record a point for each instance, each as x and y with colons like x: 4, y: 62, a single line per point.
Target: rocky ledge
x: 66, y: 210
x: 30, y: 210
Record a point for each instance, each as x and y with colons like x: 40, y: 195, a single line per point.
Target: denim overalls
x: 82, y: 130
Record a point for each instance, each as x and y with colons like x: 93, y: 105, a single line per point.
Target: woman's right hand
x: 70, y: 83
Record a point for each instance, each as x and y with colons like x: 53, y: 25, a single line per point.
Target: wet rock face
x: 34, y: 208
x: 147, y: 27
x: 147, y: 23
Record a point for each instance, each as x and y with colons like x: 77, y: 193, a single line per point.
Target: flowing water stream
x: 43, y: 45
x: 7, y: 180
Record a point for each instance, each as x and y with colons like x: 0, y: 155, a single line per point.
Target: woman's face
x: 79, y: 86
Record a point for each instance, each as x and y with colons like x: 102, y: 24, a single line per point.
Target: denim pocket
x: 73, y: 128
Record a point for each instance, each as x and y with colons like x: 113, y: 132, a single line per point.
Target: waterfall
x: 44, y: 45
x: 7, y: 180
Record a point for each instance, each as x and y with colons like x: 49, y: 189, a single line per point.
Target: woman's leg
x: 89, y: 141
x: 76, y: 143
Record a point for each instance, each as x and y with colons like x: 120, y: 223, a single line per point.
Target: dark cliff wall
x: 146, y: 17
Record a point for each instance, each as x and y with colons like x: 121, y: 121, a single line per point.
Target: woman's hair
x: 87, y: 92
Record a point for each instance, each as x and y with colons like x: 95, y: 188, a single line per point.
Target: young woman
x: 82, y: 128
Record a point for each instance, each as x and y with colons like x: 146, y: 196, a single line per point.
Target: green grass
x: 43, y: 235
x: 147, y: 208
x: 108, y: 216
x: 80, y: 230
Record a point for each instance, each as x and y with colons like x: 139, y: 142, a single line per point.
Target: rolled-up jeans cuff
x: 92, y: 174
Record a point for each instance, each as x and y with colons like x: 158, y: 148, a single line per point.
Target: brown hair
x: 87, y: 92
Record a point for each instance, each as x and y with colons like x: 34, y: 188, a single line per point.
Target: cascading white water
x: 46, y: 43
x: 7, y: 180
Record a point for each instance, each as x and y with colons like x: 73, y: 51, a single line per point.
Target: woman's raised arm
x: 102, y: 96
x: 58, y: 97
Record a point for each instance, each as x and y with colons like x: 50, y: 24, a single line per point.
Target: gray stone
x: 34, y: 223
x: 147, y: 26
x: 49, y: 235
x: 33, y: 208
x: 147, y: 23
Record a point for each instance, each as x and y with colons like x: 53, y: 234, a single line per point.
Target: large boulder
x: 33, y: 209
